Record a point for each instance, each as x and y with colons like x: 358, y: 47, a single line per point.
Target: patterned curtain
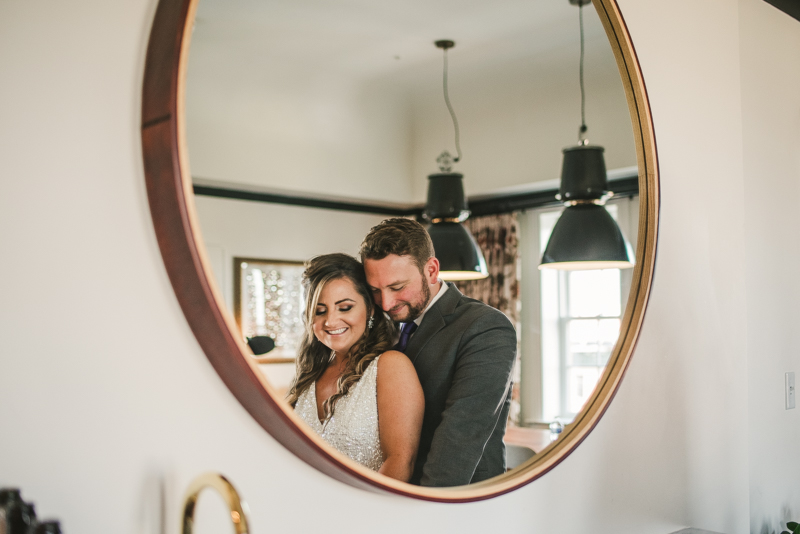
x: 498, y: 238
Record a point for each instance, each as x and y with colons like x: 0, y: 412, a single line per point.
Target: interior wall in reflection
x: 238, y: 228
x: 335, y: 136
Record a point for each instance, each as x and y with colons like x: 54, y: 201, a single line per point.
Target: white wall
x: 692, y: 358
x: 245, y: 229
x: 341, y: 138
x: 105, y: 394
x: 770, y: 42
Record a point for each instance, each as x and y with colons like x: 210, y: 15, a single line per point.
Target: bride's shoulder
x: 395, y: 363
x: 398, y: 385
x: 391, y: 357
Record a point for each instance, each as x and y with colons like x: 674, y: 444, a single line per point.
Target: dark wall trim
x: 790, y: 7
x: 493, y: 205
x: 308, y: 202
x: 622, y: 187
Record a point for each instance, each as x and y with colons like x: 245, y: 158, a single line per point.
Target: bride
x: 370, y: 411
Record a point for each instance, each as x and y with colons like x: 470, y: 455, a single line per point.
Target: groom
x: 462, y: 349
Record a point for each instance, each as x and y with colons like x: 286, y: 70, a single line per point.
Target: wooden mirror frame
x: 169, y: 189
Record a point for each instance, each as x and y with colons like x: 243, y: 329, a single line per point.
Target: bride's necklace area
x: 340, y: 364
x: 329, y: 386
x: 335, y: 367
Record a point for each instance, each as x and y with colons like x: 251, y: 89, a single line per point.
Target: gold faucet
x: 220, y: 483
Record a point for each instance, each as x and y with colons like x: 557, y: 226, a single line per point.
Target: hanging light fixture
x: 459, y: 256
x: 585, y: 236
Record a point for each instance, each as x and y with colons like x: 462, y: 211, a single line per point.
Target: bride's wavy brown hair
x: 313, y: 357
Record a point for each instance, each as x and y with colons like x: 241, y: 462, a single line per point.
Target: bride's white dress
x: 353, y: 429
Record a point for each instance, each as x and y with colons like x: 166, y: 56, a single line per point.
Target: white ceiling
x: 367, y: 38
x: 318, y: 95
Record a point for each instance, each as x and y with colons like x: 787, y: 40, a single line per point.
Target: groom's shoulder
x: 479, y: 325
x: 470, y: 311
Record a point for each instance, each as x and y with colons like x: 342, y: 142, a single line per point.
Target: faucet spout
x: 218, y: 482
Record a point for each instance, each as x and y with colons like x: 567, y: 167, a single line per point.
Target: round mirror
x: 307, y: 124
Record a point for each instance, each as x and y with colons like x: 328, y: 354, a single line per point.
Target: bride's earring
x: 370, y: 322
x: 333, y: 356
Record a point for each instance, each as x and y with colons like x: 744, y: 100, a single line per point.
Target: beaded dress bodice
x: 353, y: 429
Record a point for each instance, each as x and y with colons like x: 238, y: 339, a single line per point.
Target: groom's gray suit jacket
x: 464, y: 353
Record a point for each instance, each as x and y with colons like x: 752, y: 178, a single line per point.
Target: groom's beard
x: 415, y: 308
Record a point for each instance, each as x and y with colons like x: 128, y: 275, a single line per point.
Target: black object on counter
x: 46, y: 527
x: 261, y: 344
x: 28, y: 515
x: 16, y: 516
x: 8, y: 493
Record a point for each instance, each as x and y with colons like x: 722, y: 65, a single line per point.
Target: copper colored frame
x: 170, y: 195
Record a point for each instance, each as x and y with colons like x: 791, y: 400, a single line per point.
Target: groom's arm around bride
x: 464, y: 354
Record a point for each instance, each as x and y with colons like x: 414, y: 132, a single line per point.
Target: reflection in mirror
x: 308, y: 123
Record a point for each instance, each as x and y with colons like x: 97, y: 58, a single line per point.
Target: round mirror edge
x: 172, y: 210
x: 644, y: 136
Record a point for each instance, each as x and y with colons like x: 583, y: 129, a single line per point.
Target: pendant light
x: 459, y: 256
x: 585, y: 236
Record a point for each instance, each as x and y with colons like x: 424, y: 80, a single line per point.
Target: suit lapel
x: 433, y: 321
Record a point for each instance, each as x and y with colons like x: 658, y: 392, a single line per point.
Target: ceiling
x: 368, y: 38
x: 319, y: 97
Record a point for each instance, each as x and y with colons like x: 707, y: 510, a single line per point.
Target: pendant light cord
x: 583, y: 128
x: 450, y: 109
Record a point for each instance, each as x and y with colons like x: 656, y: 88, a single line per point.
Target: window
x: 578, y: 315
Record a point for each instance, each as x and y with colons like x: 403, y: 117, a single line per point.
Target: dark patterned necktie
x: 405, y: 334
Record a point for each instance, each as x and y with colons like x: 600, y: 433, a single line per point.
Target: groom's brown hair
x: 400, y: 236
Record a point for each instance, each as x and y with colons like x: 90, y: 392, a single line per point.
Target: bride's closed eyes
x: 323, y: 311
x: 344, y: 307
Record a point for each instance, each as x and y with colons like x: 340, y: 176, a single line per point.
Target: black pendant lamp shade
x: 585, y: 236
x: 458, y: 253
x: 459, y: 256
